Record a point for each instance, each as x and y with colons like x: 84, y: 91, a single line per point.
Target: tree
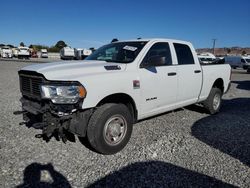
x: 10, y: 45
x: 60, y: 44
x: 53, y: 49
x: 243, y: 52
x: 114, y: 40
x: 228, y: 50
x: 92, y: 49
x: 31, y: 46
x: 22, y: 44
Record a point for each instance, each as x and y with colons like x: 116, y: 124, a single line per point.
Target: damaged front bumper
x: 54, y: 118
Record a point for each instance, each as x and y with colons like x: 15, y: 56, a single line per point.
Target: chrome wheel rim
x: 115, y: 130
x: 216, y: 101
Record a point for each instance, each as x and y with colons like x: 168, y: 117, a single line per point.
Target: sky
x: 93, y: 23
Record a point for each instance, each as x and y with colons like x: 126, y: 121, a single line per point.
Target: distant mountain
x: 224, y: 51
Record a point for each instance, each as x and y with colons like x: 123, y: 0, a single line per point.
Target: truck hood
x: 70, y: 70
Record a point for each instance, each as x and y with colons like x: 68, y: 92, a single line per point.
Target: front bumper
x: 52, y: 118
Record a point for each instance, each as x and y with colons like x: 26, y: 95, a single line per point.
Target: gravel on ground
x: 182, y: 148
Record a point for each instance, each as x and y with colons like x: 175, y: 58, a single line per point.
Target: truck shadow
x: 244, y: 85
x: 229, y: 131
x: 32, y: 176
x: 157, y: 174
x: 196, y: 108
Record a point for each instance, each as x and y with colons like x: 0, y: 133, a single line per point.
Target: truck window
x: 160, y: 49
x: 184, y: 54
x: 243, y: 60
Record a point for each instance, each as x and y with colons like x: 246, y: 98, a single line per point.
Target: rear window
x: 184, y: 54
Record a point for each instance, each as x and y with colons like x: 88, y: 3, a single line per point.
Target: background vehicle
x: 6, y: 52
x: 236, y: 62
x: 82, y: 53
x: 67, y: 53
x: 207, y: 57
x: 15, y: 52
x: 23, y: 52
x: 247, y: 60
x: 44, y: 53
x: 117, y: 85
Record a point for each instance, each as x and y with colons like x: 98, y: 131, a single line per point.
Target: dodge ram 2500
x: 101, y: 97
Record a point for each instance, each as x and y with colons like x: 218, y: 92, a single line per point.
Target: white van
x: 44, y: 53
x: 247, y: 59
x: 82, y: 53
x: 236, y: 62
x: 67, y: 53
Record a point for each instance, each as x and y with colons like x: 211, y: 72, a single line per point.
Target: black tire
x: 99, y: 129
x: 210, y: 103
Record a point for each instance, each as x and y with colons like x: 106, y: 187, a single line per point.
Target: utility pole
x: 214, y: 40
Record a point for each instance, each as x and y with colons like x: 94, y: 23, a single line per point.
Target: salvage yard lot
x: 186, y: 147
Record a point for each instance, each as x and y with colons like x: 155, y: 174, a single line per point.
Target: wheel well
x: 123, y: 99
x: 219, y: 84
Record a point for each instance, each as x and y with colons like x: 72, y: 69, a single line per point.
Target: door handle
x: 171, y: 73
x: 197, y: 71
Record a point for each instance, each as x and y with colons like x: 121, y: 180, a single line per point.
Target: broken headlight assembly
x: 63, y: 94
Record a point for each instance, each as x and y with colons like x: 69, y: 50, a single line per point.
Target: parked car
x: 23, y: 52
x: 6, y: 52
x: 67, y: 53
x: 44, y: 53
x: 117, y: 85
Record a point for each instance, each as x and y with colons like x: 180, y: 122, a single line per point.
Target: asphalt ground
x: 183, y: 148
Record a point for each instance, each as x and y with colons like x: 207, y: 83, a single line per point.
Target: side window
x: 243, y: 60
x: 184, y: 54
x: 160, y: 50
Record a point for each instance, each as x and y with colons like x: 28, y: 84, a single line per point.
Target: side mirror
x: 156, y: 61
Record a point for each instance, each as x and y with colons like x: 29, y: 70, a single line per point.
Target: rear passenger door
x: 158, y: 83
x: 189, y: 75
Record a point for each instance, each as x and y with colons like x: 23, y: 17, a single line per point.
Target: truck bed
x: 222, y: 72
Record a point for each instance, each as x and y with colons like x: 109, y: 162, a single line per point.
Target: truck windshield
x: 120, y: 52
x: 248, y: 60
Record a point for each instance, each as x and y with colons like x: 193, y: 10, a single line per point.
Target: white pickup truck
x: 101, y: 97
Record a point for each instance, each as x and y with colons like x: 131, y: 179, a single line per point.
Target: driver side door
x: 158, y: 81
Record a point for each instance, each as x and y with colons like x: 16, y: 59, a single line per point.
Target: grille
x: 30, y: 85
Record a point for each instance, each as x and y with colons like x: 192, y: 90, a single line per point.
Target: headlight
x: 63, y: 94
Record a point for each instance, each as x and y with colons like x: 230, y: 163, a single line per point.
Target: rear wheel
x: 213, y: 102
x: 110, y: 128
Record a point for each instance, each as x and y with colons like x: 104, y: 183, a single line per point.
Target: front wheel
x: 110, y: 128
x: 213, y: 102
